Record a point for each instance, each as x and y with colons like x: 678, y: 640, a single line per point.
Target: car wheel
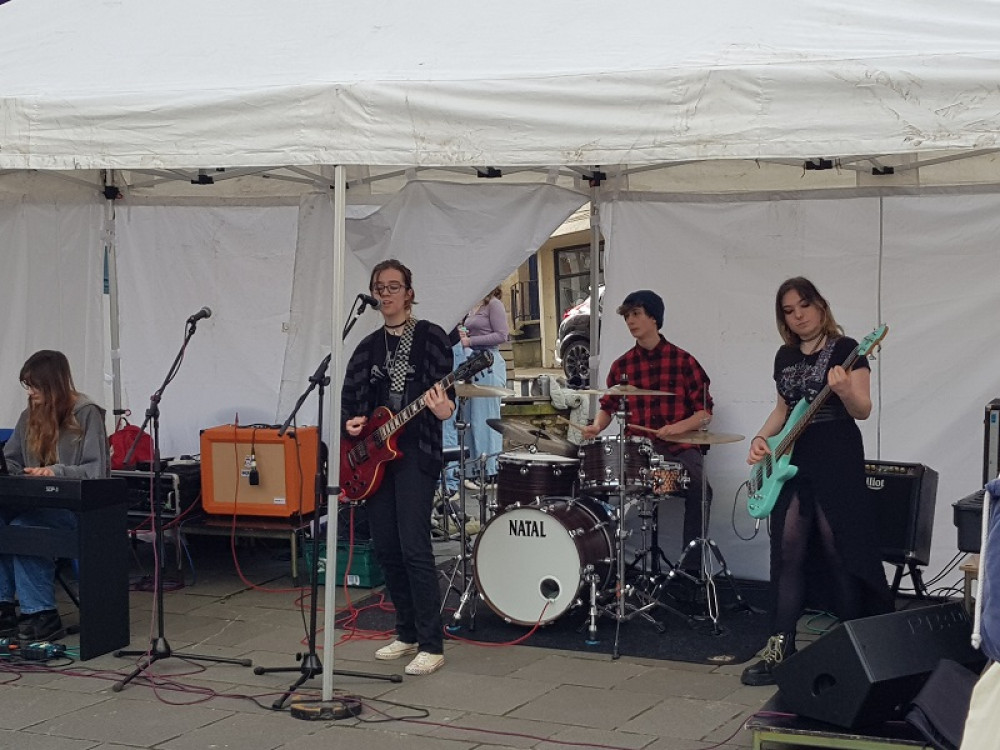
x: 576, y: 361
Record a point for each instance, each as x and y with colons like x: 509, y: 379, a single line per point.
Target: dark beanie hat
x: 649, y: 301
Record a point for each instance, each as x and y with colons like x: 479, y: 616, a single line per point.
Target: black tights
x: 801, y: 522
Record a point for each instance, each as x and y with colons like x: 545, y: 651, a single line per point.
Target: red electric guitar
x: 362, y: 458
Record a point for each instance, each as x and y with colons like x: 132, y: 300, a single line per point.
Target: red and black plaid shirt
x: 665, y: 367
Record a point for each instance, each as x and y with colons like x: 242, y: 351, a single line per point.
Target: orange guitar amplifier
x: 251, y: 471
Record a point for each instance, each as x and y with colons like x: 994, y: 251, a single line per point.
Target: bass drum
x: 531, y: 561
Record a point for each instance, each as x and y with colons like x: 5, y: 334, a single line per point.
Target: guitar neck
x: 817, y: 403
x: 411, y: 410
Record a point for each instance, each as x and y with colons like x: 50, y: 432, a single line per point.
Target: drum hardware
x: 704, y: 546
x: 622, y: 609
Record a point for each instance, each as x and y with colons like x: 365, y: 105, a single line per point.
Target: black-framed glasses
x: 393, y: 287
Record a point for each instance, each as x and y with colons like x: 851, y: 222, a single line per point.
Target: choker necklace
x: 398, y: 325
x: 820, y: 340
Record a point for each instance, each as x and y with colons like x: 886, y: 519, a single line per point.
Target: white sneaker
x: 425, y: 663
x: 395, y: 650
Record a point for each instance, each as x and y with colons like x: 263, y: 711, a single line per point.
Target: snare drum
x: 600, y: 460
x: 525, y: 477
x: 669, y: 478
x: 531, y: 561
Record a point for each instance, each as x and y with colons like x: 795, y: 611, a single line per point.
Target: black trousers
x: 399, y: 517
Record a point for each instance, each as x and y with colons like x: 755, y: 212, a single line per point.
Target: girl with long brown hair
x: 61, y: 433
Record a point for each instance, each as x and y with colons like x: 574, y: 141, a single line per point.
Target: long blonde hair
x: 47, y: 371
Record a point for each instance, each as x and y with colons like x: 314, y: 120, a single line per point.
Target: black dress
x: 830, y: 458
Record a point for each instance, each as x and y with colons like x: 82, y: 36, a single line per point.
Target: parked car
x: 573, y: 341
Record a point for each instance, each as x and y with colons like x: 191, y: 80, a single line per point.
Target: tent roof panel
x: 144, y: 84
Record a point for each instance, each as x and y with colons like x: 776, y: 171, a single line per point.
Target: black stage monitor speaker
x: 904, y: 496
x: 865, y: 671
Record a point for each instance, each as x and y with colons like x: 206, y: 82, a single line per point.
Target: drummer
x: 656, y: 364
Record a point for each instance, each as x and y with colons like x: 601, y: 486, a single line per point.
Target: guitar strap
x: 400, y: 363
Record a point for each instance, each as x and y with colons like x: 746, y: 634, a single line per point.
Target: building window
x: 573, y: 275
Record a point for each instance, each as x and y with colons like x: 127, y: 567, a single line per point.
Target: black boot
x: 779, y: 647
x: 40, y: 626
x: 8, y: 620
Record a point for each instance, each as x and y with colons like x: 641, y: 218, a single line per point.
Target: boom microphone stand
x: 160, y: 648
x: 310, y: 665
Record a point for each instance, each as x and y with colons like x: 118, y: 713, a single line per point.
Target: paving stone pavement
x: 239, y: 602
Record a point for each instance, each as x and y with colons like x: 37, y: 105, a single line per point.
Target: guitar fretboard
x: 409, y: 411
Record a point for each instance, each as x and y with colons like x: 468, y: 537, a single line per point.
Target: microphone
x: 205, y: 312
x: 372, y: 302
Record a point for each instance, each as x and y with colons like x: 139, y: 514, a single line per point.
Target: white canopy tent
x: 691, y: 126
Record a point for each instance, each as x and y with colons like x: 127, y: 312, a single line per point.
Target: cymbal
x: 622, y: 390
x: 704, y: 437
x: 523, y: 435
x: 471, y: 390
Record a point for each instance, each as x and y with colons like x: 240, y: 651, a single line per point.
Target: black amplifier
x: 968, y: 518
x: 180, y: 488
x: 904, y: 496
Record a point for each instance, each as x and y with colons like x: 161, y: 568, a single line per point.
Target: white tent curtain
x: 459, y: 240
x: 51, y: 282
x: 173, y: 260
x: 925, y: 265
x: 266, y: 273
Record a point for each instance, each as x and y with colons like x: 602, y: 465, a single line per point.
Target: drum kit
x: 554, y: 541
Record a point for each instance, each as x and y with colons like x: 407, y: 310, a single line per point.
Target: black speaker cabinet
x: 865, y: 671
x: 904, y: 496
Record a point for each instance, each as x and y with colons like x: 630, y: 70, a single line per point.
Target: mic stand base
x: 310, y: 668
x: 160, y: 649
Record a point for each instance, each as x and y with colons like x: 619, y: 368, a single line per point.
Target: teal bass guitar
x: 769, y: 475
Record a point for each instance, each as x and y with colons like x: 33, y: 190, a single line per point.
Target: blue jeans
x: 30, y: 577
x: 480, y: 438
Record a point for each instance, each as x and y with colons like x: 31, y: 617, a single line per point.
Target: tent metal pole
x: 111, y: 248
x: 333, y: 423
x: 595, y: 281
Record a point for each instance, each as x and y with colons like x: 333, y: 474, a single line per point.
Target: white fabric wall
x: 927, y: 266
x: 459, y: 242
x: 51, y: 281
x: 172, y: 260
x: 266, y: 272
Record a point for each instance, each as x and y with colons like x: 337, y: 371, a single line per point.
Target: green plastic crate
x: 365, y: 571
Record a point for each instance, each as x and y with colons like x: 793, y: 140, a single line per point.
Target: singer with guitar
x: 398, y: 365
x: 824, y: 552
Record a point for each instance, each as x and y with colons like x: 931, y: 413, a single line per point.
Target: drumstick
x: 577, y: 425
x: 640, y: 427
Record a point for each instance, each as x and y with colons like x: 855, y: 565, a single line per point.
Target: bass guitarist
x: 824, y: 551
x: 397, y: 364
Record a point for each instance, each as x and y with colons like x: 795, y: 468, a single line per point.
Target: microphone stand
x: 310, y: 665
x: 159, y: 647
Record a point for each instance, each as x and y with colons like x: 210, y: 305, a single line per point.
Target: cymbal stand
x: 470, y: 595
x: 621, y: 609
x: 707, y: 549
x: 462, y: 559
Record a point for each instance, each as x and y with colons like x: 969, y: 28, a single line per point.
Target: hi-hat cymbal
x: 704, y: 437
x: 622, y: 390
x: 471, y: 390
x: 522, y: 435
